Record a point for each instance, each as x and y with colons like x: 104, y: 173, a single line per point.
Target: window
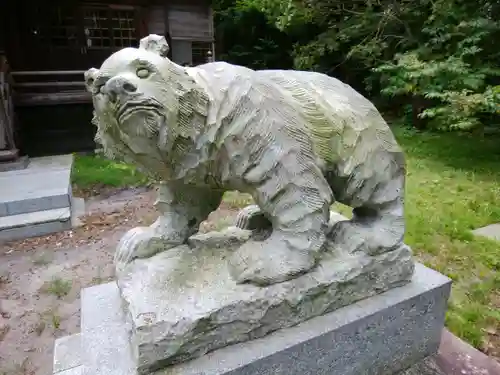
x: 200, y: 52
x: 106, y: 28
x: 124, y: 30
x: 64, y: 31
x: 57, y: 28
x: 96, y: 28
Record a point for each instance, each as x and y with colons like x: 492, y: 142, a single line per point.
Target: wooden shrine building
x: 45, y: 47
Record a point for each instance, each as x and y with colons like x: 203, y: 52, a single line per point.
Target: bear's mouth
x: 129, y: 108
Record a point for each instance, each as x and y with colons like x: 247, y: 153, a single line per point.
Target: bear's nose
x: 117, y: 87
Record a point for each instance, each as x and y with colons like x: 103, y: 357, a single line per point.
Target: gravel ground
x: 41, y: 278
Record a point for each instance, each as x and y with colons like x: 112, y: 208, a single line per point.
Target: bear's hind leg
x: 252, y: 218
x: 378, y: 223
x: 298, y: 209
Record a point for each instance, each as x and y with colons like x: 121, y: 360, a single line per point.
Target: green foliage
x: 452, y: 68
x: 246, y: 37
x: 58, y: 287
x: 438, y: 56
x: 283, y: 13
x: 458, y: 92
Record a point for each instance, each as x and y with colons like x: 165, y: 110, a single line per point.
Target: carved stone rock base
x: 182, y: 303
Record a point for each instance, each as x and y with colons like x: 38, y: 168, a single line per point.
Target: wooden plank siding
x: 190, y: 26
x: 156, y: 20
x: 190, y: 22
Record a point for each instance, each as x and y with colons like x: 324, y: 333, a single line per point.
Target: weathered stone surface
x: 4, y: 328
x: 384, y: 334
x: 105, y: 333
x: 183, y: 302
x: 72, y: 371
x: 67, y: 353
x: 427, y: 366
x: 457, y: 357
x: 491, y: 231
x: 295, y: 140
x: 380, y: 335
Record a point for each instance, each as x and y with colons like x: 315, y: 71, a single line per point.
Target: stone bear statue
x: 296, y: 141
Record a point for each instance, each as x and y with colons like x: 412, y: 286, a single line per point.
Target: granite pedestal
x: 384, y: 334
x: 183, y: 303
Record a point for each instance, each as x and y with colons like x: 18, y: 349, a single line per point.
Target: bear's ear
x: 90, y: 76
x: 156, y: 44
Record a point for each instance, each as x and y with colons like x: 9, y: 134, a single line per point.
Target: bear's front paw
x: 268, y: 262
x: 140, y: 242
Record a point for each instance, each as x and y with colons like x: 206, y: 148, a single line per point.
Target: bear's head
x: 139, y: 99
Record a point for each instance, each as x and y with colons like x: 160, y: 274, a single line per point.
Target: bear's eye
x: 143, y: 72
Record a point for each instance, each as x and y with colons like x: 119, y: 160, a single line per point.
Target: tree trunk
x: 417, y: 106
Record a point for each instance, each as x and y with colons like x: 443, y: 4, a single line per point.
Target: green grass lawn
x: 453, y: 187
x: 94, y: 171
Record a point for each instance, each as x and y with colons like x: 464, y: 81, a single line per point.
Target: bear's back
x: 344, y: 126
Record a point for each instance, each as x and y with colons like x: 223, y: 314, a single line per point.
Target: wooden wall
x: 191, y: 22
x: 184, y: 23
x: 47, y: 129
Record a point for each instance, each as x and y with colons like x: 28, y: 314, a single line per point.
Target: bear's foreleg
x: 182, y: 209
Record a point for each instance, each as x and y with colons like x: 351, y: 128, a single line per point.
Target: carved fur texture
x: 296, y: 141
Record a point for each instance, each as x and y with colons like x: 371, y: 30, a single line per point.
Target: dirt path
x: 41, y: 278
